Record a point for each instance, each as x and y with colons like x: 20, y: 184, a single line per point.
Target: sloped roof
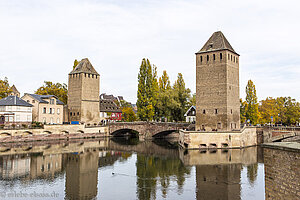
x: 108, y: 105
x: 14, y: 89
x: 216, y: 42
x: 41, y: 98
x: 190, y: 109
x: 84, y: 66
x: 14, y: 101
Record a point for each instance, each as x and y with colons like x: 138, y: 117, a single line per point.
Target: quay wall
x: 232, y: 139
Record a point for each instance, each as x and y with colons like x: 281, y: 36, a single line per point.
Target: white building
x: 14, y: 110
x: 190, y: 115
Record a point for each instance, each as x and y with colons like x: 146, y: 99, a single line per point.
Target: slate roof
x: 41, y: 98
x: 108, y: 105
x: 14, y: 101
x: 217, y: 42
x: 188, y: 112
x: 84, y: 66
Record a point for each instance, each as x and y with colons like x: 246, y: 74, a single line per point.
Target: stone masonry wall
x: 282, y: 174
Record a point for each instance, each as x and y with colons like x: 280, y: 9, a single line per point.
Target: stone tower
x: 83, y: 93
x: 217, y: 86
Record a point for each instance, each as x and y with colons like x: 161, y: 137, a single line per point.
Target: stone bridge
x: 145, y: 129
x: 281, y: 134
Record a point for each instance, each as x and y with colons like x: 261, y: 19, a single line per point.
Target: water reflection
x: 159, y: 169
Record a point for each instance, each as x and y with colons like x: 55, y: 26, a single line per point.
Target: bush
x: 24, y: 125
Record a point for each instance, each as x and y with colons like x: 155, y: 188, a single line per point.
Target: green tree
x: 75, y: 63
x: 5, y: 89
x: 155, y: 91
x: 192, y: 100
x: 164, y: 103
x: 128, y: 114
x: 181, y: 96
x: 243, y: 107
x: 268, y: 108
x: 145, y: 101
x: 57, y: 89
x: 252, y: 113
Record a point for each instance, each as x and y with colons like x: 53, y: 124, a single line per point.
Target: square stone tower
x: 83, y: 93
x: 217, y: 86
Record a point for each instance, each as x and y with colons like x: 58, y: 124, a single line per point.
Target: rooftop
x: 84, y: 66
x: 108, y: 105
x: 41, y: 98
x: 216, y: 42
x: 14, y: 101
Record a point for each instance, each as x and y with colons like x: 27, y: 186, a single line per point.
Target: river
x: 130, y: 169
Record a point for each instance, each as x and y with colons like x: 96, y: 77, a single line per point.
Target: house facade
x: 47, y: 109
x: 14, y: 110
x: 109, y: 111
x: 190, y: 115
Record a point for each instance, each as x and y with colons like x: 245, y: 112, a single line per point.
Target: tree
x: 128, y: 114
x: 155, y: 90
x: 164, y: 96
x: 57, y: 89
x: 145, y: 101
x: 181, y: 97
x: 75, y: 63
x: 252, y: 113
x: 192, y: 100
x: 268, y: 109
x: 5, y: 89
x: 243, y: 107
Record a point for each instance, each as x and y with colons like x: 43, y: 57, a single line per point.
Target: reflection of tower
x: 82, y: 175
x: 218, y: 181
x: 45, y: 165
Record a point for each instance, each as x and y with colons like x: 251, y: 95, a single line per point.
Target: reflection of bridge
x: 146, y: 129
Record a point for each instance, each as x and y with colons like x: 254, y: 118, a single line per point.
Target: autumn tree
x: 128, y: 114
x: 145, y: 101
x: 57, y: 89
x: 5, y: 89
x: 243, y: 107
x: 75, y: 63
x: 268, y: 109
x: 181, y: 96
x: 252, y: 113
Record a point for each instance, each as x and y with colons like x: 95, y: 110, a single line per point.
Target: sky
x: 39, y: 41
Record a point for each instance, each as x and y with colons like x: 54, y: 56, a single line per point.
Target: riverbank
x: 290, y: 146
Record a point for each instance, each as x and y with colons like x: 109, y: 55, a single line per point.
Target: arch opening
x: 125, y: 133
x: 164, y: 134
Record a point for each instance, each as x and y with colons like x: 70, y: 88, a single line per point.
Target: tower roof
x: 84, y: 66
x: 216, y: 42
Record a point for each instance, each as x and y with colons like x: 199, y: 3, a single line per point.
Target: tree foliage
x: 75, y: 63
x: 5, y: 89
x: 251, y: 110
x: 57, y: 89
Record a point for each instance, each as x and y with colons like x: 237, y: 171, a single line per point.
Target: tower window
x: 70, y: 113
x: 78, y: 113
x: 89, y: 75
x: 96, y: 76
x: 207, y: 57
x: 214, y: 56
x: 92, y: 75
x: 220, y: 56
x: 84, y: 74
x: 231, y: 57
x: 200, y: 58
x: 231, y: 111
x: 204, y: 112
x: 236, y: 60
x: 228, y: 57
x: 216, y: 111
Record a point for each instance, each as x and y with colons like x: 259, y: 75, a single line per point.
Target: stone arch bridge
x: 145, y: 129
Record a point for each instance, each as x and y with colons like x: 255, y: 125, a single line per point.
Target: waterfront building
x: 217, y: 86
x: 109, y: 111
x: 83, y: 94
x: 190, y: 115
x: 47, y: 109
x: 14, y: 110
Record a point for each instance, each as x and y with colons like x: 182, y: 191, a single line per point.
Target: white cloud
x: 40, y: 40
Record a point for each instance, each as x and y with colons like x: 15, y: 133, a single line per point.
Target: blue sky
x: 40, y: 40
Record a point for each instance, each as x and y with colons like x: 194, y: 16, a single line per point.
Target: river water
x: 130, y: 169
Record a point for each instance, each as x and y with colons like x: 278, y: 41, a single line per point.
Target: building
x: 83, y: 93
x: 109, y: 111
x: 217, y: 86
x: 14, y: 92
x: 47, y: 109
x: 14, y: 110
x: 190, y: 115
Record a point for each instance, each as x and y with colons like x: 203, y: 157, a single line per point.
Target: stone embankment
x: 52, y: 132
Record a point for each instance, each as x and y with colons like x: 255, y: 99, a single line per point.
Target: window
x: 33, y: 101
x: 74, y: 114
x: 204, y: 112
x: 219, y: 126
x: 51, y: 120
x: 193, y: 112
x: 201, y: 58
x: 28, y: 101
x: 44, y: 110
x: 231, y: 57
x: 58, y: 121
x: 78, y: 113
x: 84, y: 74
x: 89, y: 75
x: 220, y: 56
x: 96, y: 76
x: 92, y: 75
x: 28, y: 109
x: 231, y: 111
x: 228, y: 56
x: 216, y: 111
x: 2, y: 108
x: 214, y: 56
x: 52, y: 101
x: 70, y: 113
x: 58, y: 111
x: 207, y: 57
x: 50, y: 111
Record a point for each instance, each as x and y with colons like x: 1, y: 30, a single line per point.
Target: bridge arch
x: 125, y: 132
x: 5, y: 134
x: 163, y: 133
